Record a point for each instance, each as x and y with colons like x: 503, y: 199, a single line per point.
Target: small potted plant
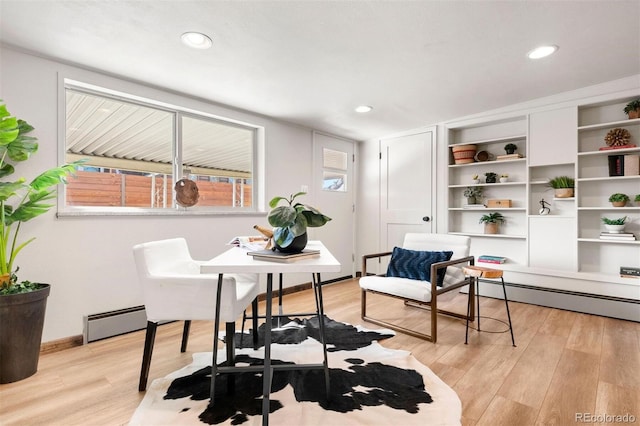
x: 614, y: 225
x: 475, y: 179
x: 637, y: 200
x: 563, y: 186
x: 618, y: 199
x: 633, y: 109
x: 492, y: 222
x: 504, y: 178
x: 510, y: 148
x: 291, y: 222
x: 490, y: 177
x: 473, y: 194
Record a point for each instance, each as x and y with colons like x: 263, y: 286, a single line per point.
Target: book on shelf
x: 616, y: 165
x: 631, y: 271
x: 617, y: 237
x: 473, y: 206
x: 631, y: 165
x: 491, y: 259
x: 508, y: 156
x: 277, y: 256
x: 607, y: 148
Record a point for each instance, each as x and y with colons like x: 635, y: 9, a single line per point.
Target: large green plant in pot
x: 22, y: 303
x: 291, y: 222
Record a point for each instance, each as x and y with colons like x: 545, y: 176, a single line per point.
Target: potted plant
x: 614, y: 225
x: 475, y: 179
x: 22, y: 303
x: 291, y: 222
x: 633, y: 109
x: 510, y: 148
x: 473, y: 194
x: 490, y: 177
x: 563, y: 186
x: 504, y: 178
x: 492, y: 222
x: 637, y: 199
x: 618, y: 199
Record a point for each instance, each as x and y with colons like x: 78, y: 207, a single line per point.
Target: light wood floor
x: 564, y: 363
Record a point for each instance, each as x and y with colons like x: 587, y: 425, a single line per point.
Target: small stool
x: 477, y: 272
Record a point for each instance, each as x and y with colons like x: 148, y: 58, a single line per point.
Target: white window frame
x: 258, y: 172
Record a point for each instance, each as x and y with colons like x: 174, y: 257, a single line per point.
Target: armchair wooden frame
x: 431, y: 305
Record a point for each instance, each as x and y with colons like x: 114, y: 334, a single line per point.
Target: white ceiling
x: 311, y: 62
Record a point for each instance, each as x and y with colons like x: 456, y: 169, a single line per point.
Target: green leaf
x: 282, y: 216
x: 314, y: 217
x: 53, y: 176
x: 33, y: 207
x: 6, y: 169
x: 8, y: 189
x: 8, y: 136
x: 10, y: 123
x: 22, y: 148
x: 300, y: 225
x: 275, y: 200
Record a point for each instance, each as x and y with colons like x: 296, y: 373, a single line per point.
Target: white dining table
x: 236, y: 260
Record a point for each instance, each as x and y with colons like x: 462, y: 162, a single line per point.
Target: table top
x: 236, y: 260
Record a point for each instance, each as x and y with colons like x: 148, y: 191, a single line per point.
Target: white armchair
x: 422, y: 292
x: 174, y: 289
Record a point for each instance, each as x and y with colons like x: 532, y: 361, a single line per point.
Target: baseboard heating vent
x: 114, y: 323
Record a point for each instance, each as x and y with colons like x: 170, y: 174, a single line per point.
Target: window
x: 134, y: 151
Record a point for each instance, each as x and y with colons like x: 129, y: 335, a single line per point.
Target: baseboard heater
x: 114, y: 323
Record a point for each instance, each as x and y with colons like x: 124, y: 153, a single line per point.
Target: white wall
x: 88, y: 260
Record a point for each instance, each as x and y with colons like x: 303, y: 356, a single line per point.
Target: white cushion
x: 401, y: 287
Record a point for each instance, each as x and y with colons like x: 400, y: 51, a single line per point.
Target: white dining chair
x: 174, y: 289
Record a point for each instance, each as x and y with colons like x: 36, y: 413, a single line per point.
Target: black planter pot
x: 297, y: 245
x: 21, y: 323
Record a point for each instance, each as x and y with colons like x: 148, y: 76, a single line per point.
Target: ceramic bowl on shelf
x: 614, y: 229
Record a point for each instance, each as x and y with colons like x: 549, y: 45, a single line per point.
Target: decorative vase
x: 471, y: 200
x: 563, y: 192
x: 21, y: 323
x: 463, y: 154
x: 504, y: 179
x: 618, y: 203
x: 491, y: 228
x: 297, y: 245
x: 490, y: 179
x: 614, y: 229
x: 475, y: 181
x: 634, y: 114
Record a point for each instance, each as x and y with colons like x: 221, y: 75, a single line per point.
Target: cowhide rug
x: 370, y: 385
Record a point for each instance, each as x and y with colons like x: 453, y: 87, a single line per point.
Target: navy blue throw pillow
x: 416, y: 265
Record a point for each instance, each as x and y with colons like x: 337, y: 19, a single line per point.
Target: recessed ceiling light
x: 196, y: 40
x: 363, y: 108
x: 542, y: 51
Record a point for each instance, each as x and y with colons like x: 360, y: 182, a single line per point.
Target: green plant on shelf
x: 473, y: 191
x: 561, y: 182
x: 510, y: 148
x: 637, y: 198
x: 618, y: 198
x: 619, y: 221
x: 495, y: 217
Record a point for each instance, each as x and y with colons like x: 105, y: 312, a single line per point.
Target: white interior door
x: 334, y: 191
x: 406, y: 191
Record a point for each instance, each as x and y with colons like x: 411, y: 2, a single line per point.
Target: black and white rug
x: 370, y: 385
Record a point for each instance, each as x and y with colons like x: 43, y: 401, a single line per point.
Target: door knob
x: 426, y: 219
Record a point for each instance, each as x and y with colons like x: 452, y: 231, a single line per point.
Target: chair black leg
x: 149, y: 339
x: 506, y: 302
x: 231, y: 354
x: 185, y: 335
x: 469, y: 303
x: 254, y: 321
